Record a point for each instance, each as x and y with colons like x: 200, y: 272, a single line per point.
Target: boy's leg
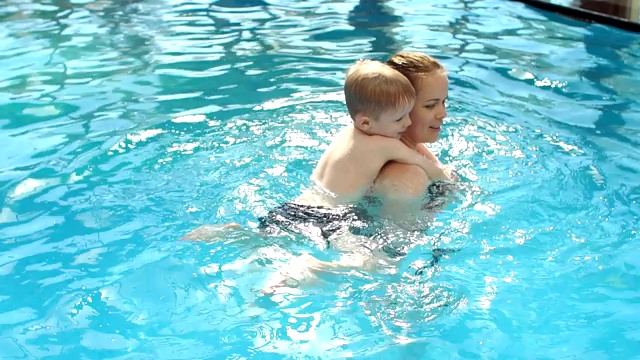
x: 209, y: 232
x: 300, y: 270
x: 356, y: 254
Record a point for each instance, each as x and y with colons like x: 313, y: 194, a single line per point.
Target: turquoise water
x: 125, y: 124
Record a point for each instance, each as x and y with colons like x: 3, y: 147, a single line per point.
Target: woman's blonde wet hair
x: 372, y: 87
x: 415, y: 66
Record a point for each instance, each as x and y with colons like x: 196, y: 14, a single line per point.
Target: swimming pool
x: 125, y: 124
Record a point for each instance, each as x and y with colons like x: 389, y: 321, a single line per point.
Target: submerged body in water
x: 366, y: 235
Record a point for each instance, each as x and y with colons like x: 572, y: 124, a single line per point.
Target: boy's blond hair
x: 415, y: 66
x: 372, y: 87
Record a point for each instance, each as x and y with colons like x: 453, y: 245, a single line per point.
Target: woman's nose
x: 443, y: 112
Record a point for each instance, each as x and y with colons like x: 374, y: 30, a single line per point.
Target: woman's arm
x: 401, y: 189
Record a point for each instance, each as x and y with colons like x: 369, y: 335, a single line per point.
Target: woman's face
x: 429, y: 110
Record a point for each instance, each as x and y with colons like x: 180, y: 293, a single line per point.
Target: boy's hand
x: 422, y: 149
x: 435, y: 172
x: 451, y: 173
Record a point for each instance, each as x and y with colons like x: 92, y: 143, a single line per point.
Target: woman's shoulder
x: 402, y: 180
x: 422, y: 149
x: 396, y: 169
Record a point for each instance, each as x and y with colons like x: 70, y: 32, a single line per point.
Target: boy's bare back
x: 352, y: 162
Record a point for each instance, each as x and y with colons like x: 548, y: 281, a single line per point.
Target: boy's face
x: 390, y: 123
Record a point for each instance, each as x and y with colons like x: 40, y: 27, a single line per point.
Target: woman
x: 403, y: 186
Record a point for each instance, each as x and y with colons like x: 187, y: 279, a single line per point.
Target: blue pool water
x: 126, y: 123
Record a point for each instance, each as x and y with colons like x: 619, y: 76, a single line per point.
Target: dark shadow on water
x: 375, y: 19
x: 239, y: 3
x: 607, y: 45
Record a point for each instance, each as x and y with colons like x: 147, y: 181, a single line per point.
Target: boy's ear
x: 362, y: 122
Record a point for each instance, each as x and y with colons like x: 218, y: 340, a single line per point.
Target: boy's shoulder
x: 352, y: 139
x: 378, y: 143
x: 364, y: 138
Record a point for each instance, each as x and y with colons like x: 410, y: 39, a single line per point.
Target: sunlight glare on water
x: 125, y: 124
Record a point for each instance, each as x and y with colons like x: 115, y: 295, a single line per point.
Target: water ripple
x: 127, y: 123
